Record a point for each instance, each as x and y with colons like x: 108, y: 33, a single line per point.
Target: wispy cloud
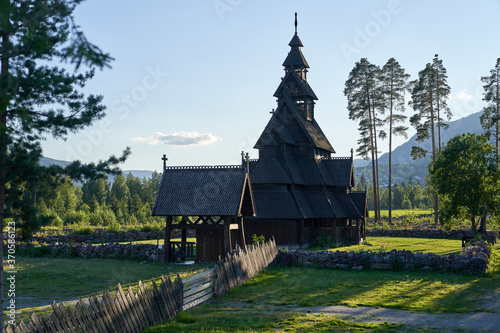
x: 179, y: 139
x: 462, y: 95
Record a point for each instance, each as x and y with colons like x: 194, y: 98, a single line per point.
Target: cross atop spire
x: 165, y: 159
x: 295, y: 22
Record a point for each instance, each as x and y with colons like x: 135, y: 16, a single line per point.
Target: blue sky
x: 195, y: 79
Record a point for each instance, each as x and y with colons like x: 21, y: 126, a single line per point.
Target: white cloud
x: 462, y: 95
x: 179, y: 139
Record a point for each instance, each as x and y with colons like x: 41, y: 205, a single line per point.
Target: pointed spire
x: 295, y: 58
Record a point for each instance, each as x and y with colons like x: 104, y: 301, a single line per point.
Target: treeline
x: 126, y: 201
x: 404, y: 196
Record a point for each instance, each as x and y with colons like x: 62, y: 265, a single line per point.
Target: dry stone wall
x: 473, y: 259
x: 107, y: 237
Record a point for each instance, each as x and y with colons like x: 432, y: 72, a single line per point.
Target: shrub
x: 114, y: 227
x: 102, y: 217
x: 85, y: 231
x: 258, y: 239
x: 325, y: 240
x: 75, y: 217
x: 152, y: 227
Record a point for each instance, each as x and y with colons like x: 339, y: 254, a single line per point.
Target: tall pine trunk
x: 375, y: 184
x: 390, y: 162
x: 377, y: 207
x: 433, y: 141
x: 497, y: 127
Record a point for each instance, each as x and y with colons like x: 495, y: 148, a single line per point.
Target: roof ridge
x: 203, y: 167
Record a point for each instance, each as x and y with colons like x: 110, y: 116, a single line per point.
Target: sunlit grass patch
x: 417, y: 291
x: 385, y: 244
x: 207, y: 319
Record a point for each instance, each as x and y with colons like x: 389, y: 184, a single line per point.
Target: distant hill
x: 401, y: 154
x: 46, y: 161
x: 404, y: 166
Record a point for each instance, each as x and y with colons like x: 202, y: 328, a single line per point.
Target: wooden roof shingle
x: 203, y: 191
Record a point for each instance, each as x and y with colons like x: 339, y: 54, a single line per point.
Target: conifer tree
x: 38, y: 98
x: 491, y: 114
x: 429, y: 100
x: 394, y: 82
x: 363, y: 93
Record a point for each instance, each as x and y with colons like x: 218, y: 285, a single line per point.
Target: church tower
x: 292, y: 130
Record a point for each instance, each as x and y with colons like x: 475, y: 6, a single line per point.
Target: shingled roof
x: 288, y: 126
x: 204, y: 191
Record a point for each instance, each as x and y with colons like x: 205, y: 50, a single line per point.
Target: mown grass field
x: 384, y: 244
x: 265, y: 303
x: 267, y: 299
x: 41, y: 280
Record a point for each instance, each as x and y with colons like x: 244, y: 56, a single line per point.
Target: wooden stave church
x: 294, y: 191
x: 300, y: 190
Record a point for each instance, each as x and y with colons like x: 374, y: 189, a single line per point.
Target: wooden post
x: 301, y: 232
x: 166, y: 242
x: 227, y: 234
x: 184, y: 240
x: 241, y: 233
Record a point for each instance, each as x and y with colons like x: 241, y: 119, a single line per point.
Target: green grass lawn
x: 437, y: 246
x: 268, y: 297
x: 264, y: 303
x: 401, y: 213
x: 41, y: 280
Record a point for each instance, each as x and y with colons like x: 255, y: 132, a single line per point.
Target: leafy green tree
x: 398, y: 196
x: 361, y: 185
x: 491, y: 114
x: 466, y: 177
x: 134, y: 185
x: 429, y: 100
x: 38, y: 99
x: 97, y: 188
x: 363, y: 93
x: 394, y: 86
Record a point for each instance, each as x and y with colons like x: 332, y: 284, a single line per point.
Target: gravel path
x: 467, y: 322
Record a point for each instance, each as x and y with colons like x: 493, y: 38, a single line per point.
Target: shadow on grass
x: 416, y: 291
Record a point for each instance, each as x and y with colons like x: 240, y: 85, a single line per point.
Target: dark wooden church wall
x: 284, y: 231
x: 209, y: 244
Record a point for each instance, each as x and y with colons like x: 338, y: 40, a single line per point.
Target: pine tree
x: 429, y: 95
x: 491, y: 114
x: 38, y: 99
x: 363, y: 97
x: 394, y: 85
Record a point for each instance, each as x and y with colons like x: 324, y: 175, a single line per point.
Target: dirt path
x: 467, y: 322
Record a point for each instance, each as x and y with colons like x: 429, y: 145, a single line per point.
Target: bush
x: 85, y: 231
x: 406, y: 204
x: 75, y: 217
x: 258, y: 239
x: 102, y: 217
x: 114, y: 228
x: 325, y: 240
x: 152, y: 227
x: 56, y: 221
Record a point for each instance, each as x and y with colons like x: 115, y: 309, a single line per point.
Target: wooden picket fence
x: 131, y: 312
x: 242, y: 265
x: 134, y: 312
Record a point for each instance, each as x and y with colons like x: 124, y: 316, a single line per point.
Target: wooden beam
x: 227, y: 234
x: 198, y: 226
x: 242, y: 241
x: 166, y: 242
